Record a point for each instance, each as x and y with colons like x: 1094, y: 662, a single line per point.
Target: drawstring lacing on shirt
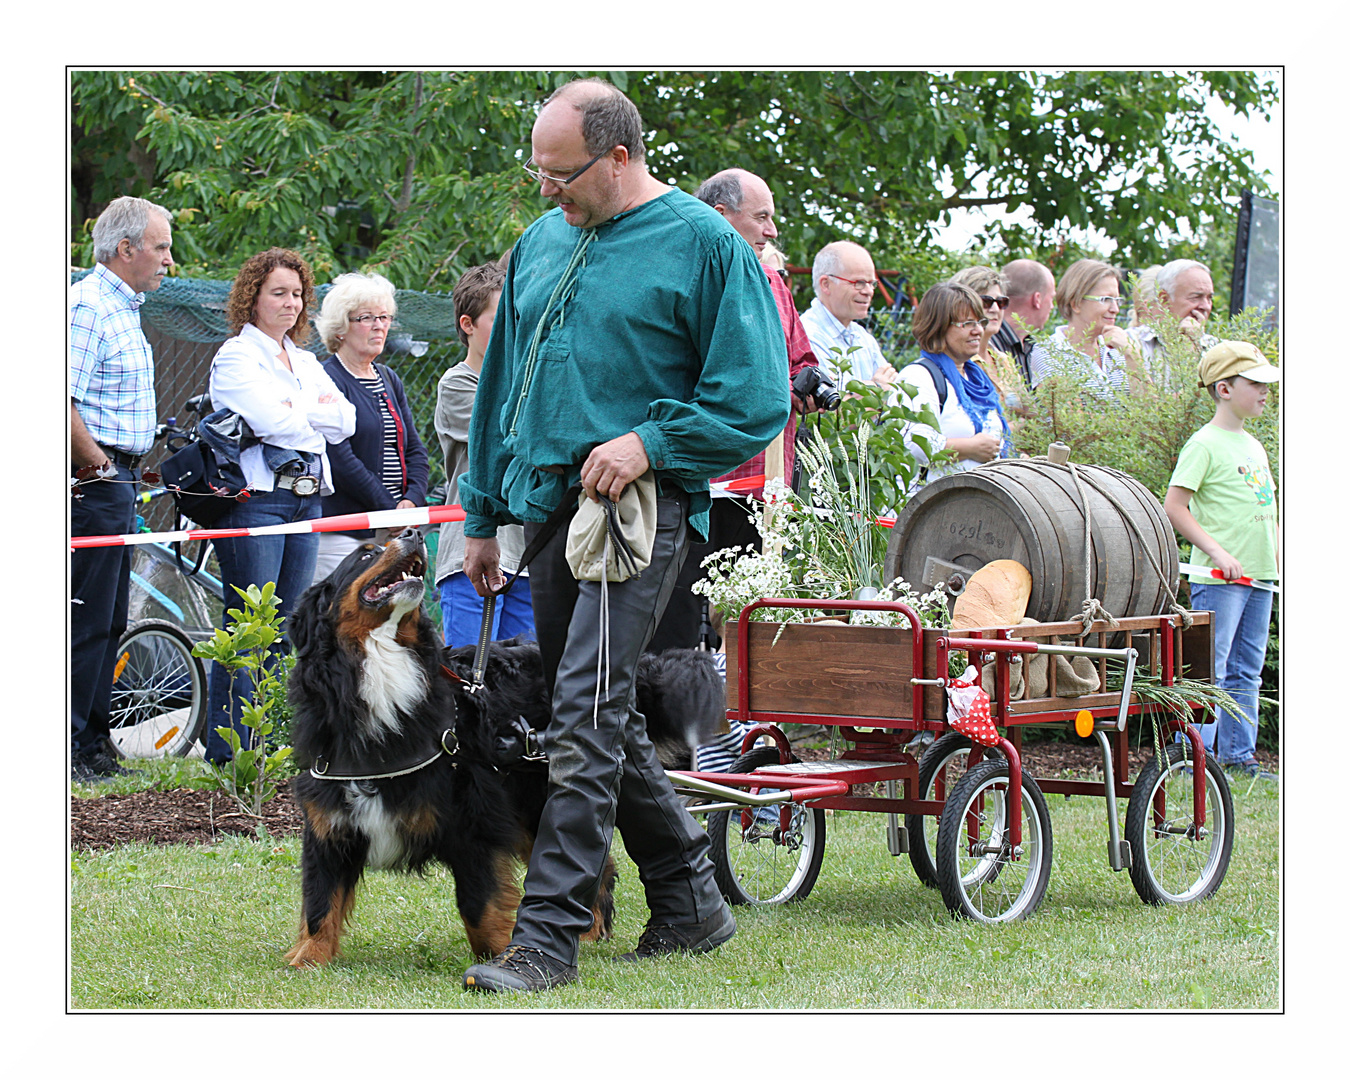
x: 562, y: 292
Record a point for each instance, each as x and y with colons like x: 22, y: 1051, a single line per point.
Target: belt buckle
x: 306, y: 485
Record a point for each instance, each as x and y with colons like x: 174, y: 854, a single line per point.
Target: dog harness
x: 385, y: 768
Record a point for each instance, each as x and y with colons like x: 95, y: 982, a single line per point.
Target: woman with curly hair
x: 384, y: 465
x: 294, y: 410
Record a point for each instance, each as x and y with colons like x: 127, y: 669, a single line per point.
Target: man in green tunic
x: 635, y: 332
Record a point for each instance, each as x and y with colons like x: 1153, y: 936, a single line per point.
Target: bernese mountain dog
x: 405, y: 760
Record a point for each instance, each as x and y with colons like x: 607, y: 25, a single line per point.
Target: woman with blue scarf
x: 949, y: 325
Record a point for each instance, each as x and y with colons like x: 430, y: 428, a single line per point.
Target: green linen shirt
x: 1234, y: 499
x: 666, y: 326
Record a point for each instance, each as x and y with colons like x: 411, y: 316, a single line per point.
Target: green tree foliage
x: 416, y: 173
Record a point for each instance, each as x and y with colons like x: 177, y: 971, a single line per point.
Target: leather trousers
x: 603, y: 769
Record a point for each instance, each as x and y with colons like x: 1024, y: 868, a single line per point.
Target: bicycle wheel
x: 1171, y: 861
x: 977, y: 873
x: 942, y: 765
x: 754, y: 860
x: 158, y: 693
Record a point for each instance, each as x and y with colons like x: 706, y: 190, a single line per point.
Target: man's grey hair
x: 124, y: 219
x: 1166, y: 281
x: 724, y: 188
x: 608, y: 118
x: 828, y: 260
x: 1026, y: 276
x: 349, y: 292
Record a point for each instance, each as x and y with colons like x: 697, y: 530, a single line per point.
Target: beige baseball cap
x: 1229, y: 358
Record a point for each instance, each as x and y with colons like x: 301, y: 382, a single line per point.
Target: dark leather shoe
x: 521, y: 969
x: 661, y: 939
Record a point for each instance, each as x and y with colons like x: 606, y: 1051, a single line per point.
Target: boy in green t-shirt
x: 1222, y: 499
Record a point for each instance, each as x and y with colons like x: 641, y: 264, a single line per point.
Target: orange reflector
x: 1082, y: 723
x: 166, y: 737
x: 121, y: 663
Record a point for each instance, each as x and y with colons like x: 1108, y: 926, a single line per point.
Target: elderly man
x: 608, y: 363
x: 1184, y: 289
x: 1031, y: 299
x: 845, y: 279
x: 112, y: 425
x: 745, y: 200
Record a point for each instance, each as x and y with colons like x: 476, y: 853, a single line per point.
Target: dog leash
x: 563, y: 512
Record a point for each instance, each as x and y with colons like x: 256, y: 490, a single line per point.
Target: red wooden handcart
x: 880, y: 686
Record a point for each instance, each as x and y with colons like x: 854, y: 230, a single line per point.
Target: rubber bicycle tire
x: 978, y: 890
x: 921, y: 831
x: 1194, y: 870
x: 734, y: 858
x: 159, y: 692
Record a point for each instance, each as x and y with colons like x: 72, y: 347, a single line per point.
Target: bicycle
x: 159, y: 687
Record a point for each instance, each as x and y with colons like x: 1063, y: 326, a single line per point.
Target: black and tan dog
x: 404, y: 763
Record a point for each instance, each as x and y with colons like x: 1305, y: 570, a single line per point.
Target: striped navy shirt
x: 391, y: 469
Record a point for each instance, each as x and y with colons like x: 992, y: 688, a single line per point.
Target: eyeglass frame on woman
x: 858, y: 283
x: 372, y: 319
x: 1117, y: 300
x: 540, y: 177
x: 968, y: 323
x: 1001, y: 301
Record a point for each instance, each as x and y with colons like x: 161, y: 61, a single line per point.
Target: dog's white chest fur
x: 368, y: 816
x: 391, y: 678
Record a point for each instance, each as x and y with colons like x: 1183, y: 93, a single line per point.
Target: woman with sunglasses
x: 383, y: 466
x: 1090, y: 342
x: 949, y: 325
x: 992, y: 289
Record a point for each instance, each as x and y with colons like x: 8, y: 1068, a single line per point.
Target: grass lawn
x: 205, y: 928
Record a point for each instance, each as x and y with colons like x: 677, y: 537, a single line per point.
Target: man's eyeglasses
x: 1105, y: 299
x: 861, y: 284
x: 1001, y: 301
x: 970, y: 324
x: 542, y: 176
x: 371, y: 320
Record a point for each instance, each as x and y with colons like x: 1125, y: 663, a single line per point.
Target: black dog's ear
x: 315, y: 603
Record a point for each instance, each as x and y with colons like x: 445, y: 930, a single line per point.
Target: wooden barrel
x: 1030, y: 510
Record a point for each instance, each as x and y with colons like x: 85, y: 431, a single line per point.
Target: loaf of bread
x: 996, y: 595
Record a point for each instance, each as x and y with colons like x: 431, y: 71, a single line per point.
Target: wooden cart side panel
x: 829, y: 670
x: 1197, y: 648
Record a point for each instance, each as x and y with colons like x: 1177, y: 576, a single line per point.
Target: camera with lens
x: 814, y: 384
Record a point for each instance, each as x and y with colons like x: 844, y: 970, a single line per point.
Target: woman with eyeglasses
x: 296, y: 413
x: 383, y: 466
x: 1089, y: 300
x: 949, y: 325
x: 992, y: 289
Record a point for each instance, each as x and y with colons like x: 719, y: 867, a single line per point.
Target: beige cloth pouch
x: 587, y: 549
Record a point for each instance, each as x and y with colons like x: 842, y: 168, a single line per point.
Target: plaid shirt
x: 799, y: 356
x: 112, y: 370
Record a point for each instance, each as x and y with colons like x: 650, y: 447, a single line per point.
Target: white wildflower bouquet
x: 829, y: 549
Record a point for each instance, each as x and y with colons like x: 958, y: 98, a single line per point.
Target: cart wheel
x: 753, y: 860
x: 158, y: 692
x: 978, y: 876
x: 942, y: 765
x: 1170, y: 864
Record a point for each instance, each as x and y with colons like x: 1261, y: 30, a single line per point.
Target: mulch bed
x: 187, y: 816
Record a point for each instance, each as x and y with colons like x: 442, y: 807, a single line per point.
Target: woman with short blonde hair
x: 1089, y: 299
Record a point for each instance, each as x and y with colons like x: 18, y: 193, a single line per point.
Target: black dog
x: 405, y: 762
